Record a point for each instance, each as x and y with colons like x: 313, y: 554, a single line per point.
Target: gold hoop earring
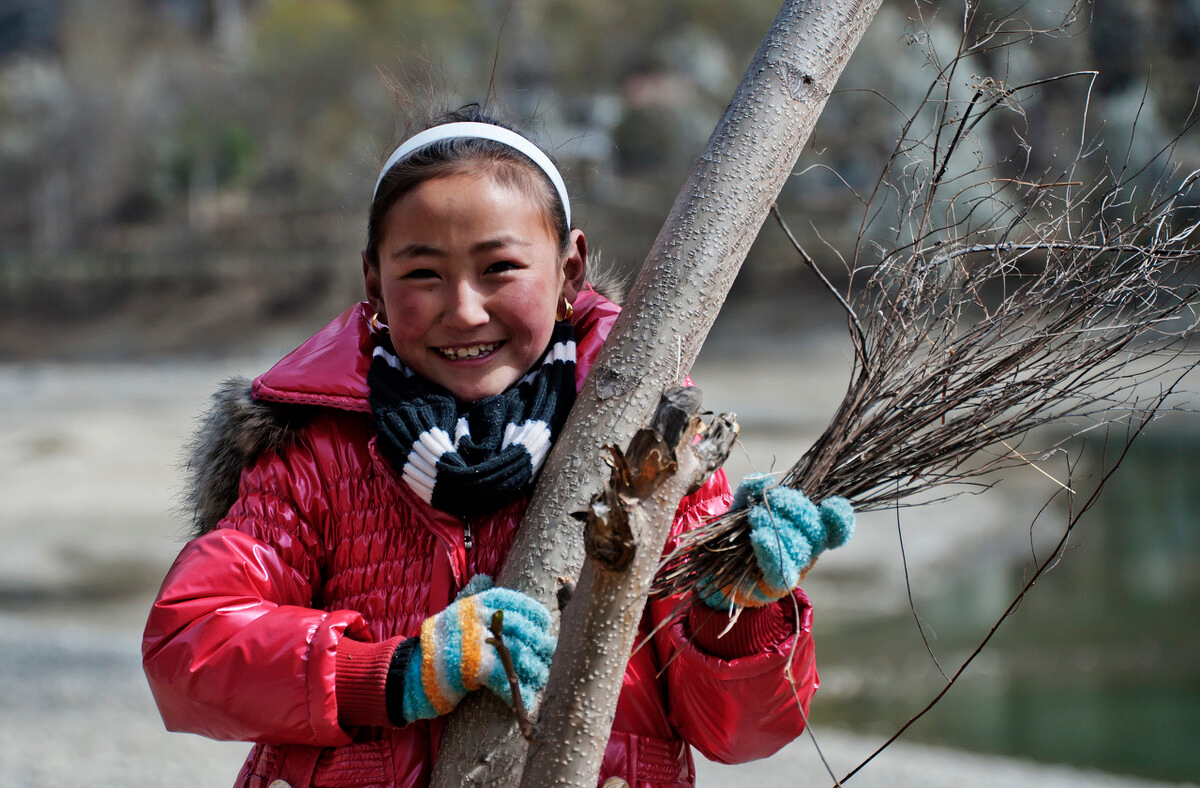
x: 379, y: 327
x: 565, y: 310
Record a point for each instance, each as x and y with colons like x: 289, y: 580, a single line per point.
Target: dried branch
x: 998, y: 303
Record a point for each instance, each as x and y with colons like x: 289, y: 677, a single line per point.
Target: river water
x: 1100, y: 664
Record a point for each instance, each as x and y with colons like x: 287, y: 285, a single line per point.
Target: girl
x: 345, y: 500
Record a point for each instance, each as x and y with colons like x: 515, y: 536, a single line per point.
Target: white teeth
x: 469, y: 352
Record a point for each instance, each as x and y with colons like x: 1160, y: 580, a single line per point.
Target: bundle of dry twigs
x: 1013, y: 303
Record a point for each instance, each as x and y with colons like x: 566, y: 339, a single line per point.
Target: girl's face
x: 469, y: 279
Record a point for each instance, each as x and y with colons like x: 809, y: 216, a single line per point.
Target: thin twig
x: 808, y: 261
x: 528, y: 730
x: 911, y: 604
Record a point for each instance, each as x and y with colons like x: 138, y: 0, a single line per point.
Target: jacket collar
x: 330, y: 369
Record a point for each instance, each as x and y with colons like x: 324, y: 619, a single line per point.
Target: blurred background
x: 183, y: 190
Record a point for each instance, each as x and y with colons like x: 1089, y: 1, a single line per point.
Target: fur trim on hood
x: 234, y: 431
x: 606, y: 280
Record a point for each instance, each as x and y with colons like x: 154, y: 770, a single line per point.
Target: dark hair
x: 508, y: 166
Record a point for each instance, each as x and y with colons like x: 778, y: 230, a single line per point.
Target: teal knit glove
x: 452, y: 656
x: 787, y: 532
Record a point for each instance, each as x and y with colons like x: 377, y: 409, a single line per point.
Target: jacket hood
x: 329, y: 370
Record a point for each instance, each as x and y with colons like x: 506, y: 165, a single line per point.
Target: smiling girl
x: 351, y: 502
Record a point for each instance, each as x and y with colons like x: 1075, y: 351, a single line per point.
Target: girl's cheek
x: 539, y: 297
x: 534, y: 308
x: 407, y: 302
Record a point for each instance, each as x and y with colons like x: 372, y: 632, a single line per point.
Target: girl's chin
x: 475, y: 388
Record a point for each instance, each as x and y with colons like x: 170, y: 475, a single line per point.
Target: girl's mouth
x: 469, y: 351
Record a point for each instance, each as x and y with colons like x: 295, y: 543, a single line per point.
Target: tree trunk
x: 627, y: 524
x: 669, y: 312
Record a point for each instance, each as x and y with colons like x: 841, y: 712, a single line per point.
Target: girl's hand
x: 787, y: 531
x: 452, y: 656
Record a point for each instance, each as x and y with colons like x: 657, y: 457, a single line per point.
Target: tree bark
x: 672, y: 306
x: 627, y: 524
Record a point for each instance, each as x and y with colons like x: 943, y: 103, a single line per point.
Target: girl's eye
x: 501, y: 266
x: 420, y: 273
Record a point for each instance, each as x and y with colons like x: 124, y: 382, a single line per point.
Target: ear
x: 575, y: 265
x: 374, y: 288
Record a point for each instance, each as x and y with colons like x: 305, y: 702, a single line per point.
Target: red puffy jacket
x: 276, y: 625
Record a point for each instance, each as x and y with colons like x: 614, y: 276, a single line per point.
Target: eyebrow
x: 499, y: 243
x: 424, y: 250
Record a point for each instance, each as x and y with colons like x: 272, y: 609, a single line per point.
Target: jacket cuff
x: 362, y: 670
x: 756, y: 629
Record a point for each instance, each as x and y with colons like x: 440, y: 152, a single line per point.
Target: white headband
x: 482, y: 131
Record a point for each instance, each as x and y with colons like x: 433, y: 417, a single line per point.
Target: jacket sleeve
x: 737, y: 709
x: 233, y: 648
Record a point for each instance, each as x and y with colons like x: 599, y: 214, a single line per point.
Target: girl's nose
x: 467, y: 307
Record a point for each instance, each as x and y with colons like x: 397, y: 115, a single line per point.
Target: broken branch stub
x: 713, y: 449
x: 607, y: 538
x: 636, y: 473
x: 652, y: 457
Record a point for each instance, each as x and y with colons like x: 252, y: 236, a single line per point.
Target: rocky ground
x: 88, y: 471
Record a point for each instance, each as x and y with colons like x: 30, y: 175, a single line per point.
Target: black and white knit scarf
x: 471, y: 458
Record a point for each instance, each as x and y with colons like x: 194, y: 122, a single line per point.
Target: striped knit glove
x: 787, y: 531
x: 429, y: 675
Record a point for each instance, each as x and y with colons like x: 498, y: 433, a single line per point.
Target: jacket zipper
x: 468, y: 541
